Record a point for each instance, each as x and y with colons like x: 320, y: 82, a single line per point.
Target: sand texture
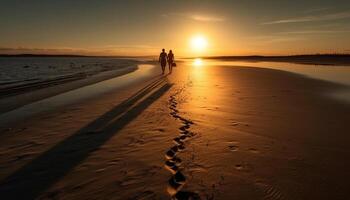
x: 199, y: 133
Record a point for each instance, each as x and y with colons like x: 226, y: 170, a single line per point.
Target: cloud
x: 113, y: 47
x: 326, y: 17
x: 270, y: 39
x: 315, y: 32
x: 196, y: 17
x: 313, y: 10
x: 206, y: 18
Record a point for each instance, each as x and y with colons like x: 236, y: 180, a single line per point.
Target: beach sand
x: 199, y: 133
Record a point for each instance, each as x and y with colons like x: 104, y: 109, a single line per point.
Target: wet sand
x: 201, y: 133
x: 317, y: 59
x: 15, y: 97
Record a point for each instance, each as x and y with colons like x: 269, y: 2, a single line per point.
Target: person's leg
x: 169, y: 66
x: 163, y: 67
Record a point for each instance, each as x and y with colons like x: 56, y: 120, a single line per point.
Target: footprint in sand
x: 184, y: 137
x: 185, y: 127
x: 233, y: 147
x: 239, y: 167
x: 172, y: 163
x: 178, y: 141
x: 160, y: 130
x: 187, y: 195
x: 176, y: 182
x: 171, y: 166
x: 244, y: 167
x: 234, y: 124
x: 253, y: 150
x: 170, y: 154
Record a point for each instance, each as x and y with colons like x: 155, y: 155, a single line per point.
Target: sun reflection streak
x: 198, y: 70
x: 198, y: 62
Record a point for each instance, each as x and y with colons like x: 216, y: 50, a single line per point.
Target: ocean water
x: 16, y: 71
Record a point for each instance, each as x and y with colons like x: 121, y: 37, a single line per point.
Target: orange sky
x: 142, y: 28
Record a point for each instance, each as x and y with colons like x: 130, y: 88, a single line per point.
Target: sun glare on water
x: 197, y: 62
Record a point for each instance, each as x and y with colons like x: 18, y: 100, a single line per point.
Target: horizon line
x: 138, y: 56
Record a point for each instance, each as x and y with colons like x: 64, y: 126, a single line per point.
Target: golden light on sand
x: 198, y: 43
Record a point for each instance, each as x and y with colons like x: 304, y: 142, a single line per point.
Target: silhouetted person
x: 162, y: 59
x: 170, y: 60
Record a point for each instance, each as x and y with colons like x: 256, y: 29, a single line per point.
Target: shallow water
x: 24, y: 70
x: 335, y: 74
x: 144, y: 71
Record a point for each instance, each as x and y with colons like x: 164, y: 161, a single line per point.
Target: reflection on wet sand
x: 144, y: 72
x: 336, y: 74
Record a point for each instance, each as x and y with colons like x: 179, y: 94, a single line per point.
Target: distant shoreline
x: 309, y: 59
x: 67, y: 55
x: 315, y: 59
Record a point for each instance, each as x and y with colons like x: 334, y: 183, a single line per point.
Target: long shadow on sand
x: 37, y: 176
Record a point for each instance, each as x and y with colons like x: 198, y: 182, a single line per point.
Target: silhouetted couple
x: 164, y: 58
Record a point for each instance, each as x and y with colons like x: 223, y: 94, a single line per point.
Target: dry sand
x: 202, y: 132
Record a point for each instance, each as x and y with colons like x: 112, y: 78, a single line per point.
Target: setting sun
x: 199, y: 43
